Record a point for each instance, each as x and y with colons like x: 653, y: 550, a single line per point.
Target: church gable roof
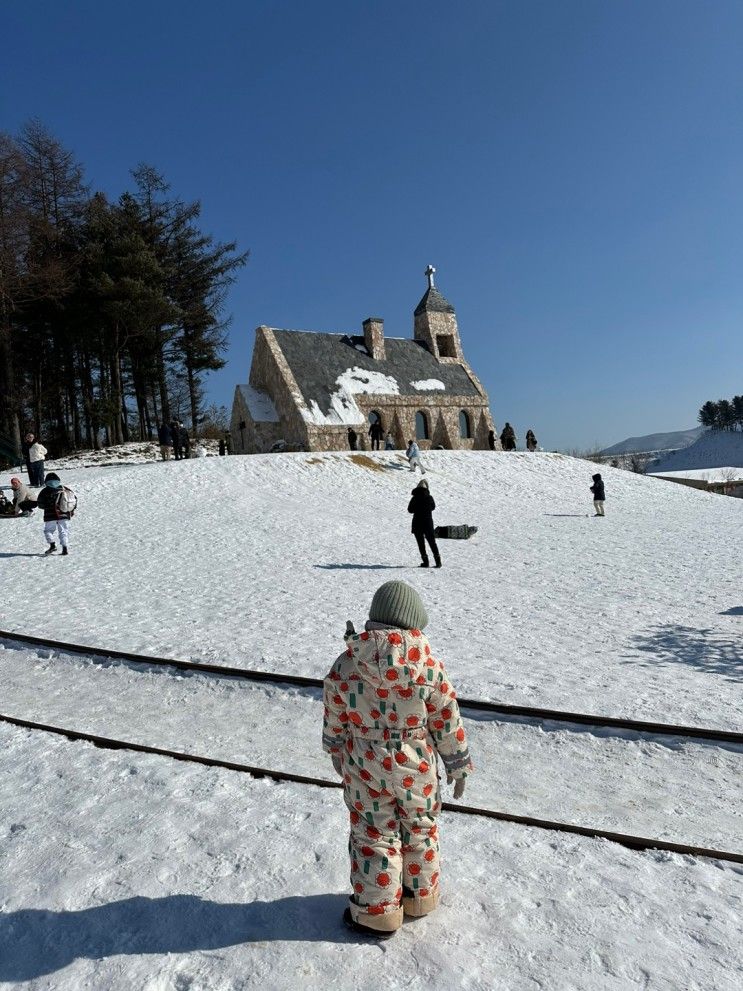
x: 433, y: 302
x: 330, y: 368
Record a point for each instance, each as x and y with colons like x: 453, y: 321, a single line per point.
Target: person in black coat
x: 175, y: 430
x: 185, y: 441
x: 165, y: 439
x: 25, y: 448
x: 376, y: 432
x: 598, y: 495
x: 422, y: 507
x: 352, y: 438
x: 508, y: 438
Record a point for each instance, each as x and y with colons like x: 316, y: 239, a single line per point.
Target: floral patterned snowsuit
x: 389, y: 708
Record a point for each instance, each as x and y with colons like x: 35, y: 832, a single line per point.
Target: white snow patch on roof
x: 362, y: 348
x: 343, y: 408
x: 260, y: 405
x: 428, y: 385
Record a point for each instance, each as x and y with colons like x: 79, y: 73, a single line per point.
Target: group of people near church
x: 173, y: 437
x: 376, y: 436
x: 508, y: 439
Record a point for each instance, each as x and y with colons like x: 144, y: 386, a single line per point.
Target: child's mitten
x: 350, y: 629
x: 458, y: 785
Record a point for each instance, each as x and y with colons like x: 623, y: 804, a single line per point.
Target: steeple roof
x: 433, y: 302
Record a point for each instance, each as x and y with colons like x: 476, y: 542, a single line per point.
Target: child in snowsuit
x: 55, y: 521
x: 389, y: 710
x: 598, y: 495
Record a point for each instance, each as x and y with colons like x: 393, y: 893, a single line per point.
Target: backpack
x: 66, y: 501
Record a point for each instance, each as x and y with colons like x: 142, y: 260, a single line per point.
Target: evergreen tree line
x: 725, y: 414
x: 111, y: 313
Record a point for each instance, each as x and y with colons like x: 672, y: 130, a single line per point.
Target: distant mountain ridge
x: 671, y: 441
x: 714, y: 449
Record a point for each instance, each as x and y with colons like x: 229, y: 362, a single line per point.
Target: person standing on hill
x: 185, y: 441
x: 422, y: 506
x: 165, y: 439
x: 175, y: 431
x: 508, y: 438
x: 531, y: 441
x: 352, y: 439
x: 25, y: 448
x: 58, y: 503
x: 491, y: 439
x: 36, y: 454
x: 376, y: 433
x: 598, y: 495
x: 389, y: 442
x: 390, y: 711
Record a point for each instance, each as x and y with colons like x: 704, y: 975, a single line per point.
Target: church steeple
x: 435, y: 323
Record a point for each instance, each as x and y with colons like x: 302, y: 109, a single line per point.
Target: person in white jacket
x: 36, y: 454
x: 413, y: 454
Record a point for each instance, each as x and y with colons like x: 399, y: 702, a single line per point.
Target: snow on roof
x: 260, y: 405
x: 343, y: 408
x: 428, y: 385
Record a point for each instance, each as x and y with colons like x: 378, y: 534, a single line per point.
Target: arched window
x: 374, y: 417
x: 465, y: 427
x: 421, y: 426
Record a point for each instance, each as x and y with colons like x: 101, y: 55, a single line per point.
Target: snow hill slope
x: 259, y: 560
x: 714, y: 449
x: 122, y: 871
x: 654, y: 442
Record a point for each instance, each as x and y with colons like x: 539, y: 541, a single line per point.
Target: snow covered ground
x: 122, y: 871
x: 136, y: 872
x: 727, y: 473
x: 258, y: 561
x: 133, y: 453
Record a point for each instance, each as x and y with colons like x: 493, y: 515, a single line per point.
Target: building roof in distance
x: 433, y: 302
x: 326, y: 364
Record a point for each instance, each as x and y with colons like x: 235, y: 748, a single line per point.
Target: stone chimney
x: 374, y: 337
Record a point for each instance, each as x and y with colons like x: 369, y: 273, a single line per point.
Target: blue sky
x: 574, y: 170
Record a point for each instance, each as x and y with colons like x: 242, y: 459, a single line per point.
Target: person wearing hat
x: 56, y: 517
x: 23, y: 501
x: 422, y: 506
x: 389, y: 712
x: 599, y: 495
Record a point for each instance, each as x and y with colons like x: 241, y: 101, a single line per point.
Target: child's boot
x: 64, y: 552
x: 50, y: 550
x: 416, y: 906
x: 381, y: 926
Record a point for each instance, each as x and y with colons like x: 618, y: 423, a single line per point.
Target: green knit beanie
x: 397, y: 604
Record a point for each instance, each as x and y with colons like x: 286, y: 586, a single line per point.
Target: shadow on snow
x: 35, y: 942
x: 700, y: 648
x: 361, y: 567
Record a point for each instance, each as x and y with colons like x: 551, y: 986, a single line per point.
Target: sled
x: 463, y: 532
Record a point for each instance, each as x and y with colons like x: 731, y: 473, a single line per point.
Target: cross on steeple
x: 430, y: 273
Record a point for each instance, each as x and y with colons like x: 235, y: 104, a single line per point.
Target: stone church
x: 306, y: 389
